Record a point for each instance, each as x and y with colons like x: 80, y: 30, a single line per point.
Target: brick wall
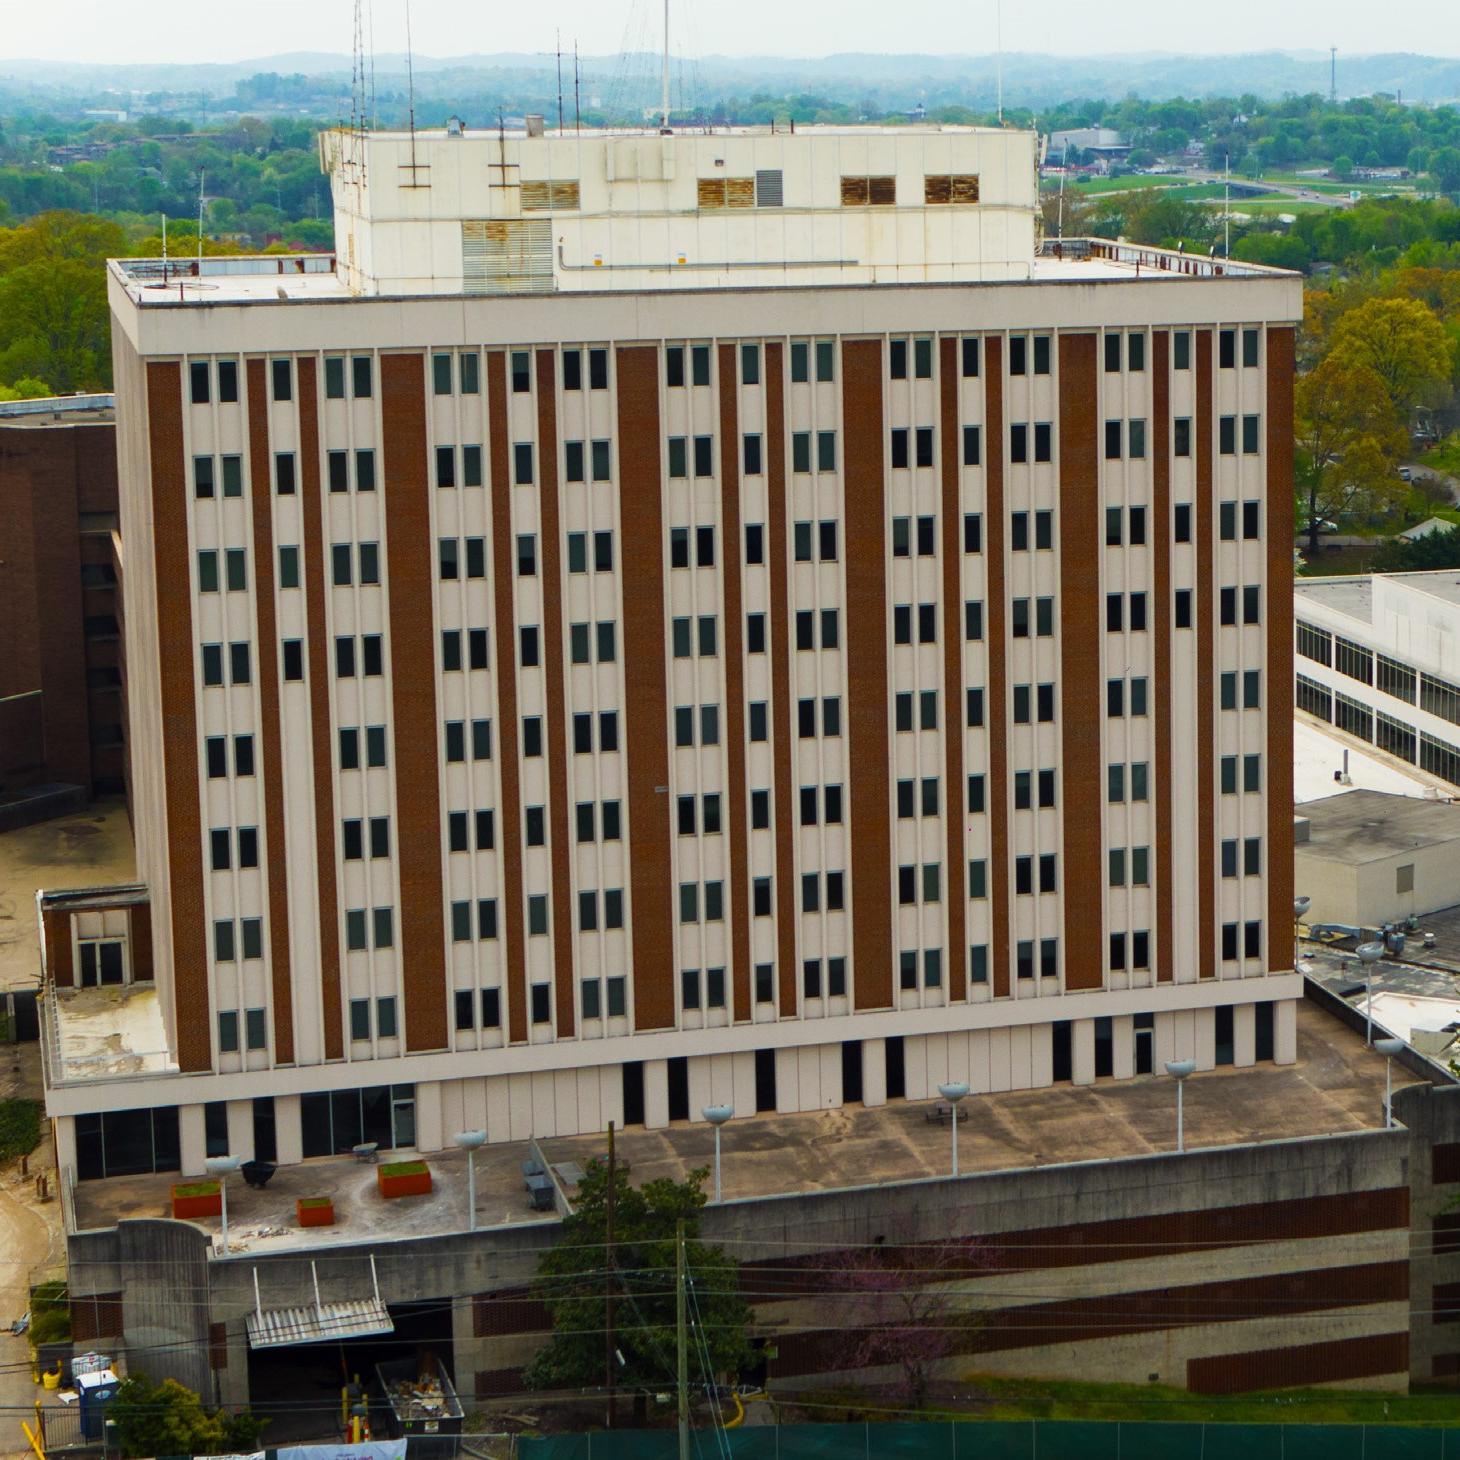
x: 49, y: 476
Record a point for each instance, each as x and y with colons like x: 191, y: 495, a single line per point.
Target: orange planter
x: 194, y: 1199
x: 315, y: 1211
x: 403, y: 1178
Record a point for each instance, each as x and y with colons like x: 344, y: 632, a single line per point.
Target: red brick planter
x: 191, y: 1199
x: 403, y: 1178
x: 315, y: 1211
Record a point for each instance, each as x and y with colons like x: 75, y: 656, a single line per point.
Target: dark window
x: 282, y: 375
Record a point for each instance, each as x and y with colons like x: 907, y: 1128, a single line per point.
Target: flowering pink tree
x: 898, y: 1306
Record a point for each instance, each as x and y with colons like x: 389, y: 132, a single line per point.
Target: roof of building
x: 58, y: 410
x: 312, y: 278
x: 1370, y: 826
x: 1319, y: 757
x: 1428, y: 528
x: 1354, y: 596
x: 1333, y: 1087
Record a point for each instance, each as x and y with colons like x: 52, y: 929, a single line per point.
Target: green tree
x: 575, y: 1276
x: 1348, y: 444
x: 169, y: 1419
x: 1445, y: 169
x: 1438, y: 550
x: 1401, y: 341
x: 1342, y: 167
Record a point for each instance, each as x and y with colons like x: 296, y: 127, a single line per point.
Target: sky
x: 235, y: 30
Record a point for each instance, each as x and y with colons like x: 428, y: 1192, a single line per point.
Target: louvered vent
x: 959, y: 188
x: 725, y: 192
x: 768, y: 188
x: 507, y: 256
x: 863, y: 192
x: 550, y: 196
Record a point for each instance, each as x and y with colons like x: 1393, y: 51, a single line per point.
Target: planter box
x: 315, y: 1211
x: 403, y: 1178
x: 196, y: 1199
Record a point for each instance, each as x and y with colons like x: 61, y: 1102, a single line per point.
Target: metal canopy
x: 319, y: 1322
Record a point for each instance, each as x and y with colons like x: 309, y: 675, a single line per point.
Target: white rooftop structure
x: 454, y: 211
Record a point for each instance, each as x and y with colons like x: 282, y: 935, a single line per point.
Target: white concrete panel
x: 240, y: 1129
x: 656, y: 1094
x: 567, y: 1118
x: 430, y: 1135
x: 999, y: 1071
x: 1183, y: 1035
x: 587, y: 1100
x: 978, y: 1061
x: 830, y: 1062
x: 1041, y: 1058
x: 742, y: 1083
x: 1204, y: 1035
x: 65, y: 1136
x: 453, y: 1113
x: 874, y: 1072
x: 701, y: 1084
x: 498, y: 1092
x: 808, y: 1080
x: 1285, y: 1032
x: 1082, y: 1051
x: 1125, y: 1048
x: 915, y: 1068
x: 519, y: 1099
x: 1244, y: 1034
x: 1020, y: 1056
x: 787, y: 1082
x: 288, y: 1136
x: 191, y: 1139
x: 610, y: 1097
x: 544, y: 1103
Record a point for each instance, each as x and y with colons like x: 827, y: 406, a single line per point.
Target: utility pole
x: 608, y: 1357
x: 679, y: 1323
x: 1333, y: 75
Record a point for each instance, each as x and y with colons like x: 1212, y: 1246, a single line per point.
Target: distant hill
x: 889, y: 81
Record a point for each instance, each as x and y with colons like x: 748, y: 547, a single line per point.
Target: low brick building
x: 62, y: 708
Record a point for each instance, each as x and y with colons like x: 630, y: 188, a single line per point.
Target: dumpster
x: 423, y: 1406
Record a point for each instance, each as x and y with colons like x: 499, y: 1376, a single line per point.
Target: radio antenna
x: 577, y: 110
x: 560, y: 83
x: 664, y: 75
x: 411, y: 93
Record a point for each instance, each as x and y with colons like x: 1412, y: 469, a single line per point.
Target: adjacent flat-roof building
x: 1378, y: 657
x: 668, y: 619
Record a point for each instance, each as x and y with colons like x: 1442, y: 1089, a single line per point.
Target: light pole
x: 220, y: 1166
x: 1300, y: 907
x: 953, y: 1093
x: 717, y: 1115
x: 1180, y: 1070
x: 1388, y: 1048
x: 1369, y: 955
x: 471, y: 1141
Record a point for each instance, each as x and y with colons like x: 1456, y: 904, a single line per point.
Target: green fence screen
x: 1013, y: 1440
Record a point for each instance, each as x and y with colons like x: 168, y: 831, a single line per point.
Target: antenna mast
x: 411, y: 92
x: 560, y: 83
x: 999, y: 47
x: 577, y: 110
x: 202, y: 174
x: 664, y: 75
x: 1333, y: 74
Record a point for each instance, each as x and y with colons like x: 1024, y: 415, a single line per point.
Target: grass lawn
x: 20, y: 1128
x: 1015, y: 1399
x: 1133, y: 183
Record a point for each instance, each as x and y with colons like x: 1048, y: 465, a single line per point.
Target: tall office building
x: 666, y: 619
